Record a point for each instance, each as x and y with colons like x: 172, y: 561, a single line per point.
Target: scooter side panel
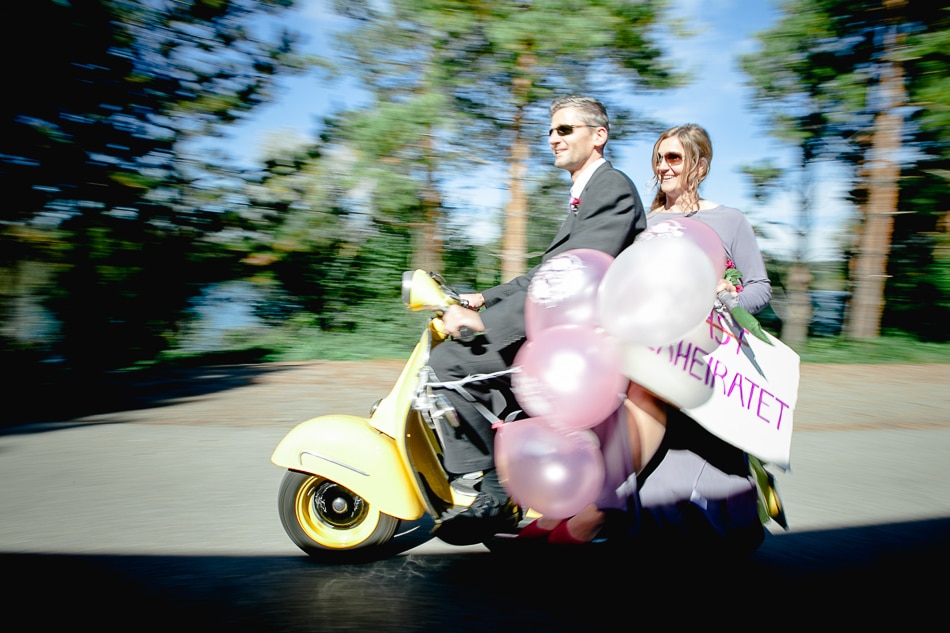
x: 419, y: 442
x: 349, y: 451
x: 390, y: 414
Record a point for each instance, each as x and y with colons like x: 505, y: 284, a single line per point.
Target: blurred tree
x: 918, y: 282
x: 457, y: 85
x: 545, y: 210
x: 393, y: 162
x: 92, y: 165
x: 338, y: 251
x: 841, y: 79
x: 765, y: 178
x: 327, y: 258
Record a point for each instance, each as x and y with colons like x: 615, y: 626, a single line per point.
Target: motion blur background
x: 203, y: 181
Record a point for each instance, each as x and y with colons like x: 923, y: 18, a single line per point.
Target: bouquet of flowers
x: 730, y: 304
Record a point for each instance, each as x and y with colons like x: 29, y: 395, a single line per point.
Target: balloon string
x: 458, y: 387
x: 695, y: 496
x: 454, y: 384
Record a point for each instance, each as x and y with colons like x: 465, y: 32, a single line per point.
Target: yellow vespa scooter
x: 351, y: 481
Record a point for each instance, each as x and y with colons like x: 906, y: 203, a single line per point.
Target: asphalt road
x: 139, y: 519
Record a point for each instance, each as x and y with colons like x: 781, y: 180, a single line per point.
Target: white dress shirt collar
x: 584, y: 177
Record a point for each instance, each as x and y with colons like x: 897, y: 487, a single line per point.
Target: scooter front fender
x: 348, y: 450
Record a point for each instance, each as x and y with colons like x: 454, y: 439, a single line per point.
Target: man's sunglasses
x: 672, y: 158
x: 565, y: 130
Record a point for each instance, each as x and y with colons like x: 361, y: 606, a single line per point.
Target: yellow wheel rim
x: 333, y: 516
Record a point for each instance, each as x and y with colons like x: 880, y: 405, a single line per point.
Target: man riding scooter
x: 605, y: 213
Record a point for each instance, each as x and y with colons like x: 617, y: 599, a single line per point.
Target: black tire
x: 330, y: 522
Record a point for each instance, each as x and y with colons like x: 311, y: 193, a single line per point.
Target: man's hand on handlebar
x: 473, y: 301
x: 456, y: 318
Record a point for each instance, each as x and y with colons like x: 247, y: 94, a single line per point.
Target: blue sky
x: 717, y: 99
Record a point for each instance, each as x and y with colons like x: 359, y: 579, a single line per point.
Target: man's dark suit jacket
x: 609, y: 216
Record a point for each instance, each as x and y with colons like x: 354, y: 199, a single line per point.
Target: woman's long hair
x: 697, y: 159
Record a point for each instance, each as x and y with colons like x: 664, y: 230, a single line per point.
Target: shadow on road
x: 60, y: 397
x: 849, y: 577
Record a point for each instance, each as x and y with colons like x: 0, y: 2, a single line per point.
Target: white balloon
x: 656, y: 291
x: 694, y: 230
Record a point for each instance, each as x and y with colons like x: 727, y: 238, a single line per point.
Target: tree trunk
x: 798, y: 309
x: 428, y: 237
x: 867, y: 304
x: 515, y: 237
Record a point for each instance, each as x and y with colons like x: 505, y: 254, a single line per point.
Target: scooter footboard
x: 348, y: 450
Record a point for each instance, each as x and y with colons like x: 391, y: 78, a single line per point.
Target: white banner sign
x: 735, y: 385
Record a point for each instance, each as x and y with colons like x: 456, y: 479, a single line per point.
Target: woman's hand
x: 728, y: 286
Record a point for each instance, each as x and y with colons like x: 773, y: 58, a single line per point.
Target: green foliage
x: 390, y: 334
x: 456, y: 85
x: 918, y: 289
x: 394, y: 340
x: 817, y: 78
x: 547, y: 207
x: 91, y: 155
x: 764, y: 176
x: 830, y: 275
x: 452, y: 84
x: 884, y: 350
x: 126, y: 227
x: 815, y: 72
x: 464, y: 263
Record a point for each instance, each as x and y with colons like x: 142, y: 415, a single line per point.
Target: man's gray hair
x: 592, y: 111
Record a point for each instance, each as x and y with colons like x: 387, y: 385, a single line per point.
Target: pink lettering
x: 698, y: 362
x: 739, y: 382
x: 753, y: 386
x: 715, y: 327
x: 680, y: 354
x: 727, y: 334
x: 763, y: 395
x: 736, y: 383
x: 781, y: 411
x: 719, y: 370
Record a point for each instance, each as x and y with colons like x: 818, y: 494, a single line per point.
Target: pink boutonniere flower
x: 575, y: 202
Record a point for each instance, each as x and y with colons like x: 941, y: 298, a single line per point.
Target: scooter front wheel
x: 328, y: 521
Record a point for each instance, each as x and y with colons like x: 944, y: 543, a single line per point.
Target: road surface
x: 164, y: 516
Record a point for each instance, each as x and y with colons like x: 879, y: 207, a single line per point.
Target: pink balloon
x: 553, y: 473
x: 572, y: 375
x: 656, y: 292
x: 697, y: 232
x: 564, y: 290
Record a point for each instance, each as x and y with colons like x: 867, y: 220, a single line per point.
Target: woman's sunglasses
x: 672, y: 158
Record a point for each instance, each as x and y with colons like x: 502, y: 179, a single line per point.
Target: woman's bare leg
x: 585, y: 525
x: 646, y: 423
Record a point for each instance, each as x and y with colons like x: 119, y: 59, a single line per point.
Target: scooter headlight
x: 420, y: 291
